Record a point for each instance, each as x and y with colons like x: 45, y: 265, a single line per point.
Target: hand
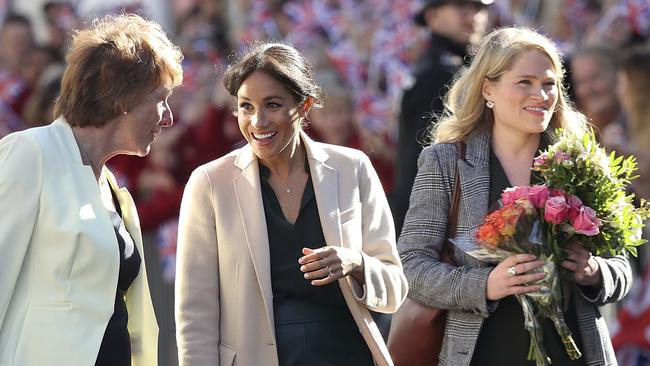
x: 586, y: 270
x: 502, y: 283
x: 327, y: 264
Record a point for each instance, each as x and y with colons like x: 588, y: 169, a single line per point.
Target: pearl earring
x: 489, y: 104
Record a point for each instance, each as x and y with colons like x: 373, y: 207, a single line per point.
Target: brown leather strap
x: 455, y: 198
x: 452, y: 223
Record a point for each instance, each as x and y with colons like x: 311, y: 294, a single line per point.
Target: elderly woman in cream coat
x: 73, y: 284
x: 285, y: 245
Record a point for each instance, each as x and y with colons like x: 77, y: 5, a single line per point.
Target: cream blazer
x: 224, y: 300
x: 59, y: 256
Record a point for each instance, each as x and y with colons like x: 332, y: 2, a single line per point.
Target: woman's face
x: 526, y: 95
x: 138, y: 128
x: 593, y: 84
x: 269, y: 116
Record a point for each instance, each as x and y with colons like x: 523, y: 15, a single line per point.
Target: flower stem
x: 536, y: 351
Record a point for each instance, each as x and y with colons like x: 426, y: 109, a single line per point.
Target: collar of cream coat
x: 70, y: 145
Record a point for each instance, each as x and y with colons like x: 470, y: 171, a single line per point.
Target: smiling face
x: 525, y: 96
x: 139, y: 126
x: 269, y: 116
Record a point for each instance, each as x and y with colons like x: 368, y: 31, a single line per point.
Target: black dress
x: 503, y: 340
x: 115, y: 349
x: 313, y: 325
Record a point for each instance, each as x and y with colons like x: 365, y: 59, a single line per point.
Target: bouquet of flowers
x: 584, y: 199
x: 581, y: 167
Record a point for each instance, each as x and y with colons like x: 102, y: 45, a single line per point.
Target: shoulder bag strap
x: 452, y: 223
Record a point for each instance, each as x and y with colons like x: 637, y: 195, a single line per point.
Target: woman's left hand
x: 585, y: 268
x: 327, y: 264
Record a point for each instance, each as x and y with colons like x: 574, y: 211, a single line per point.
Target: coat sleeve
x: 617, y: 281
x: 385, y: 285
x: 197, y: 276
x: 432, y: 282
x: 21, y: 179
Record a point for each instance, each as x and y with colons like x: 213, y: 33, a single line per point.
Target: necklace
x: 85, y: 156
x: 289, y: 190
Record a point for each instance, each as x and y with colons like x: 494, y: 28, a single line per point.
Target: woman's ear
x: 487, y: 89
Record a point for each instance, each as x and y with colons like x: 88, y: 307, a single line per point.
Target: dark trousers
x: 312, y: 334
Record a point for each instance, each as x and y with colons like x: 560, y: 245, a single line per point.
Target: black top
x: 313, y: 324
x: 115, y: 349
x: 503, y: 340
x: 286, y: 242
x: 433, y: 72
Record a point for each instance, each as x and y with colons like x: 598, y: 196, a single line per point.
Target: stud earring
x: 489, y: 104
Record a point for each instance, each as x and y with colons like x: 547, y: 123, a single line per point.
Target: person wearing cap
x: 454, y: 24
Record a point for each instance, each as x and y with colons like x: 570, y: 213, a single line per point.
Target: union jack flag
x: 638, y: 12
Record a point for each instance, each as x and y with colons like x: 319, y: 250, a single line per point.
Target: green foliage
x: 580, y: 166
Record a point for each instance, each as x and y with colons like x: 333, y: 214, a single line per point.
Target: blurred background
x: 367, y: 54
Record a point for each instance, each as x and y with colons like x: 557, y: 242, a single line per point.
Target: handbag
x: 416, y: 331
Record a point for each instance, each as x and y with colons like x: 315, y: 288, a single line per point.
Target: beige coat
x: 59, y: 256
x: 224, y: 301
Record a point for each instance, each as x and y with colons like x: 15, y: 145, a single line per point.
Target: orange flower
x: 495, y: 219
x: 488, y: 235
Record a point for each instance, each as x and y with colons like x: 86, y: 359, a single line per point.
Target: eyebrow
x: 526, y: 76
x: 266, y: 98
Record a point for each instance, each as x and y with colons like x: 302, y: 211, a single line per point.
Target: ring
x: 512, y: 271
x: 329, y: 272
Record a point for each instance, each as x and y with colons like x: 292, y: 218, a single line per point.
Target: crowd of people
x: 384, y: 68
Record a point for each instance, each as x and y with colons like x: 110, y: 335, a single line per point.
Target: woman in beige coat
x: 285, y: 245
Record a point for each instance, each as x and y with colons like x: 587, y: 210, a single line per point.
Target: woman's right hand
x: 504, y: 281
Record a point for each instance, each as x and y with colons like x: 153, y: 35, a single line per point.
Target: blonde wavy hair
x: 465, y: 109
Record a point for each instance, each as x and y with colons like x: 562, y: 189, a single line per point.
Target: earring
x: 489, y: 104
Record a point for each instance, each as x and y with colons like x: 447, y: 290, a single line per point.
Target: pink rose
x: 574, y: 204
x: 556, y: 210
x: 538, y: 195
x: 510, y: 195
x: 586, y: 222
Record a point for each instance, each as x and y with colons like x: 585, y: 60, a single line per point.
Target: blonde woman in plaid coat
x: 503, y: 107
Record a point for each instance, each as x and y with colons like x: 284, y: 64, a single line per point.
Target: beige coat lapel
x: 251, y: 210
x: 325, y: 182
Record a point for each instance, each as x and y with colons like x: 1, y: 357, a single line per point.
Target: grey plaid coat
x: 462, y: 289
